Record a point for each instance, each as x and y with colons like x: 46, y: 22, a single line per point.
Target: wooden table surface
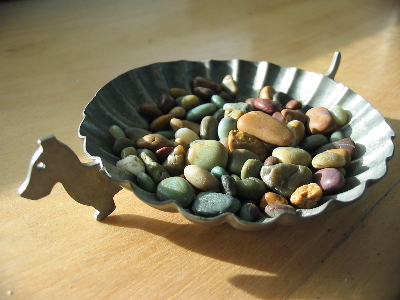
x: 55, y: 55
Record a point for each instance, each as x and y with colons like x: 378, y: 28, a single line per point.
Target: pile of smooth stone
x: 258, y: 158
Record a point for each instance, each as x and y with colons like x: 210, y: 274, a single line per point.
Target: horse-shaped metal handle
x: 86, y: 183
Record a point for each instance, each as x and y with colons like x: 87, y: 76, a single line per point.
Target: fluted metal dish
x: 118, y: 102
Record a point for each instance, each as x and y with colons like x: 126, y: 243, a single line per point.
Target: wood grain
x: 54, y: 56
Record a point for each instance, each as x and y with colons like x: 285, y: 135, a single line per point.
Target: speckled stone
x: 209, y: 204
x: 228, y: 185
x: 285, y: 178
x: 243, y: 140
x: 207, y: 154
x: 266, y: 128
x: 131, y: 163
x: 153, y: 142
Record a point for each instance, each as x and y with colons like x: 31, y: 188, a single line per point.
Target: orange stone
x: 266, y: 128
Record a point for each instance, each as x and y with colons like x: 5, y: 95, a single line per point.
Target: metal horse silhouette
x: 55, y: 162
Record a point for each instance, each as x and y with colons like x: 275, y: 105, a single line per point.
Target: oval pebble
x: 266, y: 128
x: 329, y: 179
x: 339, y: 115
x: 161, y: 123
x: 250, y: 188
x: 116, y: 131
x: 274, y: 210
x: 328, y: 160
x: 225, y: 126
x: 266, y: 105
x: 154, y: 169
x: 336, y: 136
x: 187, y: 135
x: 176, y: 124
x: 153, y: 142
x: 209, y: 128
x: 313, y: 142
x: 175, y: 188
x: 292, y: 155
x: 122, y: 143
x: 209, y: 204
x: 177, y: 92
x: 201, y: 178
x: 145, y: 182
x: 189, y: 102
x: 199, y: 112
x: 218, y: 101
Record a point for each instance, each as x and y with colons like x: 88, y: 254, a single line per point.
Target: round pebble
x: 207, y: 154
x: 175, y: 188
x: 128, y: 151
x: 336, y: 136
x: 320, y: 120
x: 209, y: 204
x: 329, y: 179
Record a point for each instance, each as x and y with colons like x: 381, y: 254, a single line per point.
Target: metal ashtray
x: 117, y: 104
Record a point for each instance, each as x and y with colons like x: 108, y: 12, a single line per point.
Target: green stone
x: 122, y: 143
x: 177, y: 189
x: 218, y: 101
x: 145, y: 182
x: 336, y: 136
x: 169, y: 134
x: 237, y: 158
x: 292, y: 155
x: 251, y: 168
x: 207, y: 154
x: 199, y: 112
x: 116, y: 131
x: 314, y: 141
x: 225, y: 125
x: 128, y: 151
x: 218, y: 171
x: 339, y: 115
x: 209, y: 128
x: 219, y: 114
x: 153, y: 169
x: 250, y: 188
x: 209, y: 204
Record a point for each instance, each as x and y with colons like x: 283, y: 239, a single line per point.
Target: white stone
x: 132, y: 164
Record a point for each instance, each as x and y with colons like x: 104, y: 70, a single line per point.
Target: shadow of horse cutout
x: 86, y: 183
